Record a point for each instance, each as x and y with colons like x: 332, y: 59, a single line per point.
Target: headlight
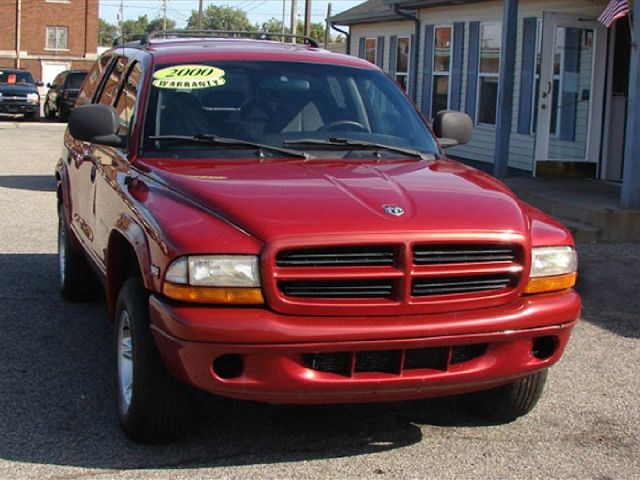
x: 228, y: 279
x: 552, y: 268
x: 33, y: 97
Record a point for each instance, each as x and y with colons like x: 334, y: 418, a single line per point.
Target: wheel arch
x: 127, y: 256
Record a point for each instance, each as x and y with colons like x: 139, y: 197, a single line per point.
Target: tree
x: 221, y: 18
x: 143, y: 25
x: 273, y: 25
x: 106, y: 33
x: 158, y: 24
x: 317, y: 30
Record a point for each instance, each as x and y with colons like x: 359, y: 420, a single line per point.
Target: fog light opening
x: 229, y: 366
x: 544, y: 347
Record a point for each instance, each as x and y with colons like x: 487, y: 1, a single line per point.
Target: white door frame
x: 551, y: 21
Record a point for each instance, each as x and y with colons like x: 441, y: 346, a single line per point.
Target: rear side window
x: 74, y: 80
x: 126, y: 103
x: 113, y: 82
x: 92, y: 81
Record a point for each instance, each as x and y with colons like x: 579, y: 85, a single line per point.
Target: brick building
x: 48, y: 36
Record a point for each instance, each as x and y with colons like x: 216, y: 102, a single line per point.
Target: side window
x: 127, y: 99
x: 92, y: 81
x: 113, y: 82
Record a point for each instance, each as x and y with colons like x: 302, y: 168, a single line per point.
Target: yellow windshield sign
x: 189, y: 77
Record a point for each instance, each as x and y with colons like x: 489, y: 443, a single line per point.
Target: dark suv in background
x: 19, y: 93
x: 62, y: 94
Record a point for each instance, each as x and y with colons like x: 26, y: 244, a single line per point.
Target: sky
x: 258, y: 11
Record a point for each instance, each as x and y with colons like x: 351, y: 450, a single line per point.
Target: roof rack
x: 146, y: 38
x: 121, y: 40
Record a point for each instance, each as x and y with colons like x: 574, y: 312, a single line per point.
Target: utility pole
x: 164, y: 21
x: 121, y: 19
x: 18, y: 30
x: 200, y: 15
x: 294, y: 18
x: 284, y: 15
x: 327, y: 26
x: 307, y: 18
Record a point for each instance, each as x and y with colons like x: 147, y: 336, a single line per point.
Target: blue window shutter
x: 456, y: 66
x: 427, y: 71
x: 361, y: 47
x: 411, y: 80
x: 393, y: 55
x: 570, y: 85
x: 528, y: 74
x: 472, y: 69
x: 380, y: 52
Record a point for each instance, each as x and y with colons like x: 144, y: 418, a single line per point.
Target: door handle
x: 548, y: 91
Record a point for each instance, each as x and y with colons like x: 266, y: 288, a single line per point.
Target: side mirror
x: 48, y: 85
x: 453, y: 128
x: 96, y: 123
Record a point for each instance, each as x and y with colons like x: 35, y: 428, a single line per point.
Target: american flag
x: 615, y: 10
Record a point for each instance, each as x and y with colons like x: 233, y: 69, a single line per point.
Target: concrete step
x: 591, y: 208
x: 581, y: 231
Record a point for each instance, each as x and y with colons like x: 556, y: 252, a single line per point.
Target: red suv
x: 275, y: 222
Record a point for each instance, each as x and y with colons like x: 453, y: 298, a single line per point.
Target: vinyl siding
x: 482, y: 145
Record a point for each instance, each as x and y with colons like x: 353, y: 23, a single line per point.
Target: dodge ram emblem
x: 394, y: 210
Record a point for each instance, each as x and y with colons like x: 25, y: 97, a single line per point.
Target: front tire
x: 63, y: 113
x: 505, y: 404
x: 153, y: 407
x: 78, y: 283
x: 48, y: 112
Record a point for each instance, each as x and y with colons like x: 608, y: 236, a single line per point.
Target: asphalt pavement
x: 57, y: 411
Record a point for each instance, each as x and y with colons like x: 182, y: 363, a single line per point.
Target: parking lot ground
x: 57, y: 413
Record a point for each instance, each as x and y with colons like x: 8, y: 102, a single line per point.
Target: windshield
x: 279, y: 104
x: 74, y: 80
x: 16, y: 78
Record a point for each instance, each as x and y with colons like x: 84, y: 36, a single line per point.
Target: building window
x: 490, y: 39
x: 441, y: 69
x: 402, y: 62
x: 370, y: 48
x: 57, y: 38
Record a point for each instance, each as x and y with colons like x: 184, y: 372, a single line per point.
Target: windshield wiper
x: 350, y: 142
x: 210, y: 139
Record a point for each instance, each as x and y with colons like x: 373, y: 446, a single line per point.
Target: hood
x: 274, y: 199
x: 11, y: 89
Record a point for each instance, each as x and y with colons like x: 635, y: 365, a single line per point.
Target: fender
x: 127, y: 238
x: 62, y: 188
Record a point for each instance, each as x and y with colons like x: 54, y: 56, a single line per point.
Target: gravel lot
x: 57, y: 415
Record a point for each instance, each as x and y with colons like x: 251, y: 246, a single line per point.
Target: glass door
x: 570, y: 89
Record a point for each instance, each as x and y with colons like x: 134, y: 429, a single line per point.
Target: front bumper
x: 19, y: 107
x: 273, y: 351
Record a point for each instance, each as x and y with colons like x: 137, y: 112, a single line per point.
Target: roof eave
x: 355, y: 21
